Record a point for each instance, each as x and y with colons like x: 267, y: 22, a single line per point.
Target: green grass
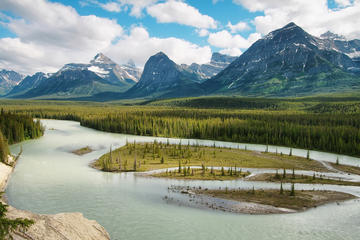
x: 202, y: 174
x: 149, y: 157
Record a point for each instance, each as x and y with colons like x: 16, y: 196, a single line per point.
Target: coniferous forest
x: 15, y: 128
x: 330, y: 131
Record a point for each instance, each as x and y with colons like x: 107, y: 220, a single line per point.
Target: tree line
x: 330, y: 132
x: 15, y: 128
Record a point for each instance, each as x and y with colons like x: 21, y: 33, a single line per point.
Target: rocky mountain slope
x: 9, y: 79
x: 205, y: 71
x: 288, y: 62
x: 164, y: 78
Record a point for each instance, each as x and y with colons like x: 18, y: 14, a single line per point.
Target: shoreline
x: 56, y: 226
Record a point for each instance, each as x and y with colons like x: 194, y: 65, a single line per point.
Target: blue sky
x: 43, y: 35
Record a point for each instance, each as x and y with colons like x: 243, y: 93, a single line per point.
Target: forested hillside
x: 15, y: 128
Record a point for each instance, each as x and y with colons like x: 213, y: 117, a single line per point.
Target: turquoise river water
x: 49, y: 179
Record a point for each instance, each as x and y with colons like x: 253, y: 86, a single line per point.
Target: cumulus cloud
x: 49, y: 35
x: 231, y: 52
x: 174, y: 11
x: 239, y: 27
x: 202, y: 32
x: 231, y: 44
x: 139, y: 46
x: 111, y: 6
x: 314, y: 17
x: 137, y: 6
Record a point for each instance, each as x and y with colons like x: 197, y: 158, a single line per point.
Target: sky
x: 43, y: 35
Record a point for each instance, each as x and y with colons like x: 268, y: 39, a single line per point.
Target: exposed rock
x: 59, y: 226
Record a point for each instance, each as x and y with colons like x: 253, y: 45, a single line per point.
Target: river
x: 49, y: 179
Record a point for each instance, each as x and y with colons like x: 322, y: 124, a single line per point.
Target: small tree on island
x: 292, y: 192
x: 337, y: 160
x: 290, y: 153
x: 281, y: 188
x: 308, y: 155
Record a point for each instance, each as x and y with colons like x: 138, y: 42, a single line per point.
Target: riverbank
x: 53, y: 227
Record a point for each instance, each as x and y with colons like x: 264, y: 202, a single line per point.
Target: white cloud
x: 137, y: 6
x: 202, y: 32
x: 240, y: 26
x: 231, y: 51
x: 51, y: 34
x: 224, y: 39
x: 139, y: 46
x: 174, y: 11
x: 314, y: 17
x: 111, y: 6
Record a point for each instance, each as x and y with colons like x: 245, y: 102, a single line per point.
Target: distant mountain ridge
x: 74, y: 79
x: 288, y: 62
x: 205, y: 71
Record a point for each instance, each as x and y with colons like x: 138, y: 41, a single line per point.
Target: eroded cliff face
x: 60, y: 226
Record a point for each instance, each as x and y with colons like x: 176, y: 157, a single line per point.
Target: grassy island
x: 151, y: 156
x: 82, y: 151
x: 294, y: 200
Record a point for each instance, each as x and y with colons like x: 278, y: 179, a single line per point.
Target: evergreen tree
x: 292, y: 192
x: 281, y: 188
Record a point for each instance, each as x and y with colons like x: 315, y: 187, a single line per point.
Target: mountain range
x: 290, y: 62
x: 74, y: 79
x: 286, y: 62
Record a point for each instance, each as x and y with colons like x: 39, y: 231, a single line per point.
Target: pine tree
x: 4, y: 149
x: 284, y: 174
x: 337, y: 160
x: 222, y: 171
x: 308, y: 155
x: 290, y: 153
x: 293, y: 173
x: 162, y: 160
x: 292, y: 192
x: 281, y: 188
